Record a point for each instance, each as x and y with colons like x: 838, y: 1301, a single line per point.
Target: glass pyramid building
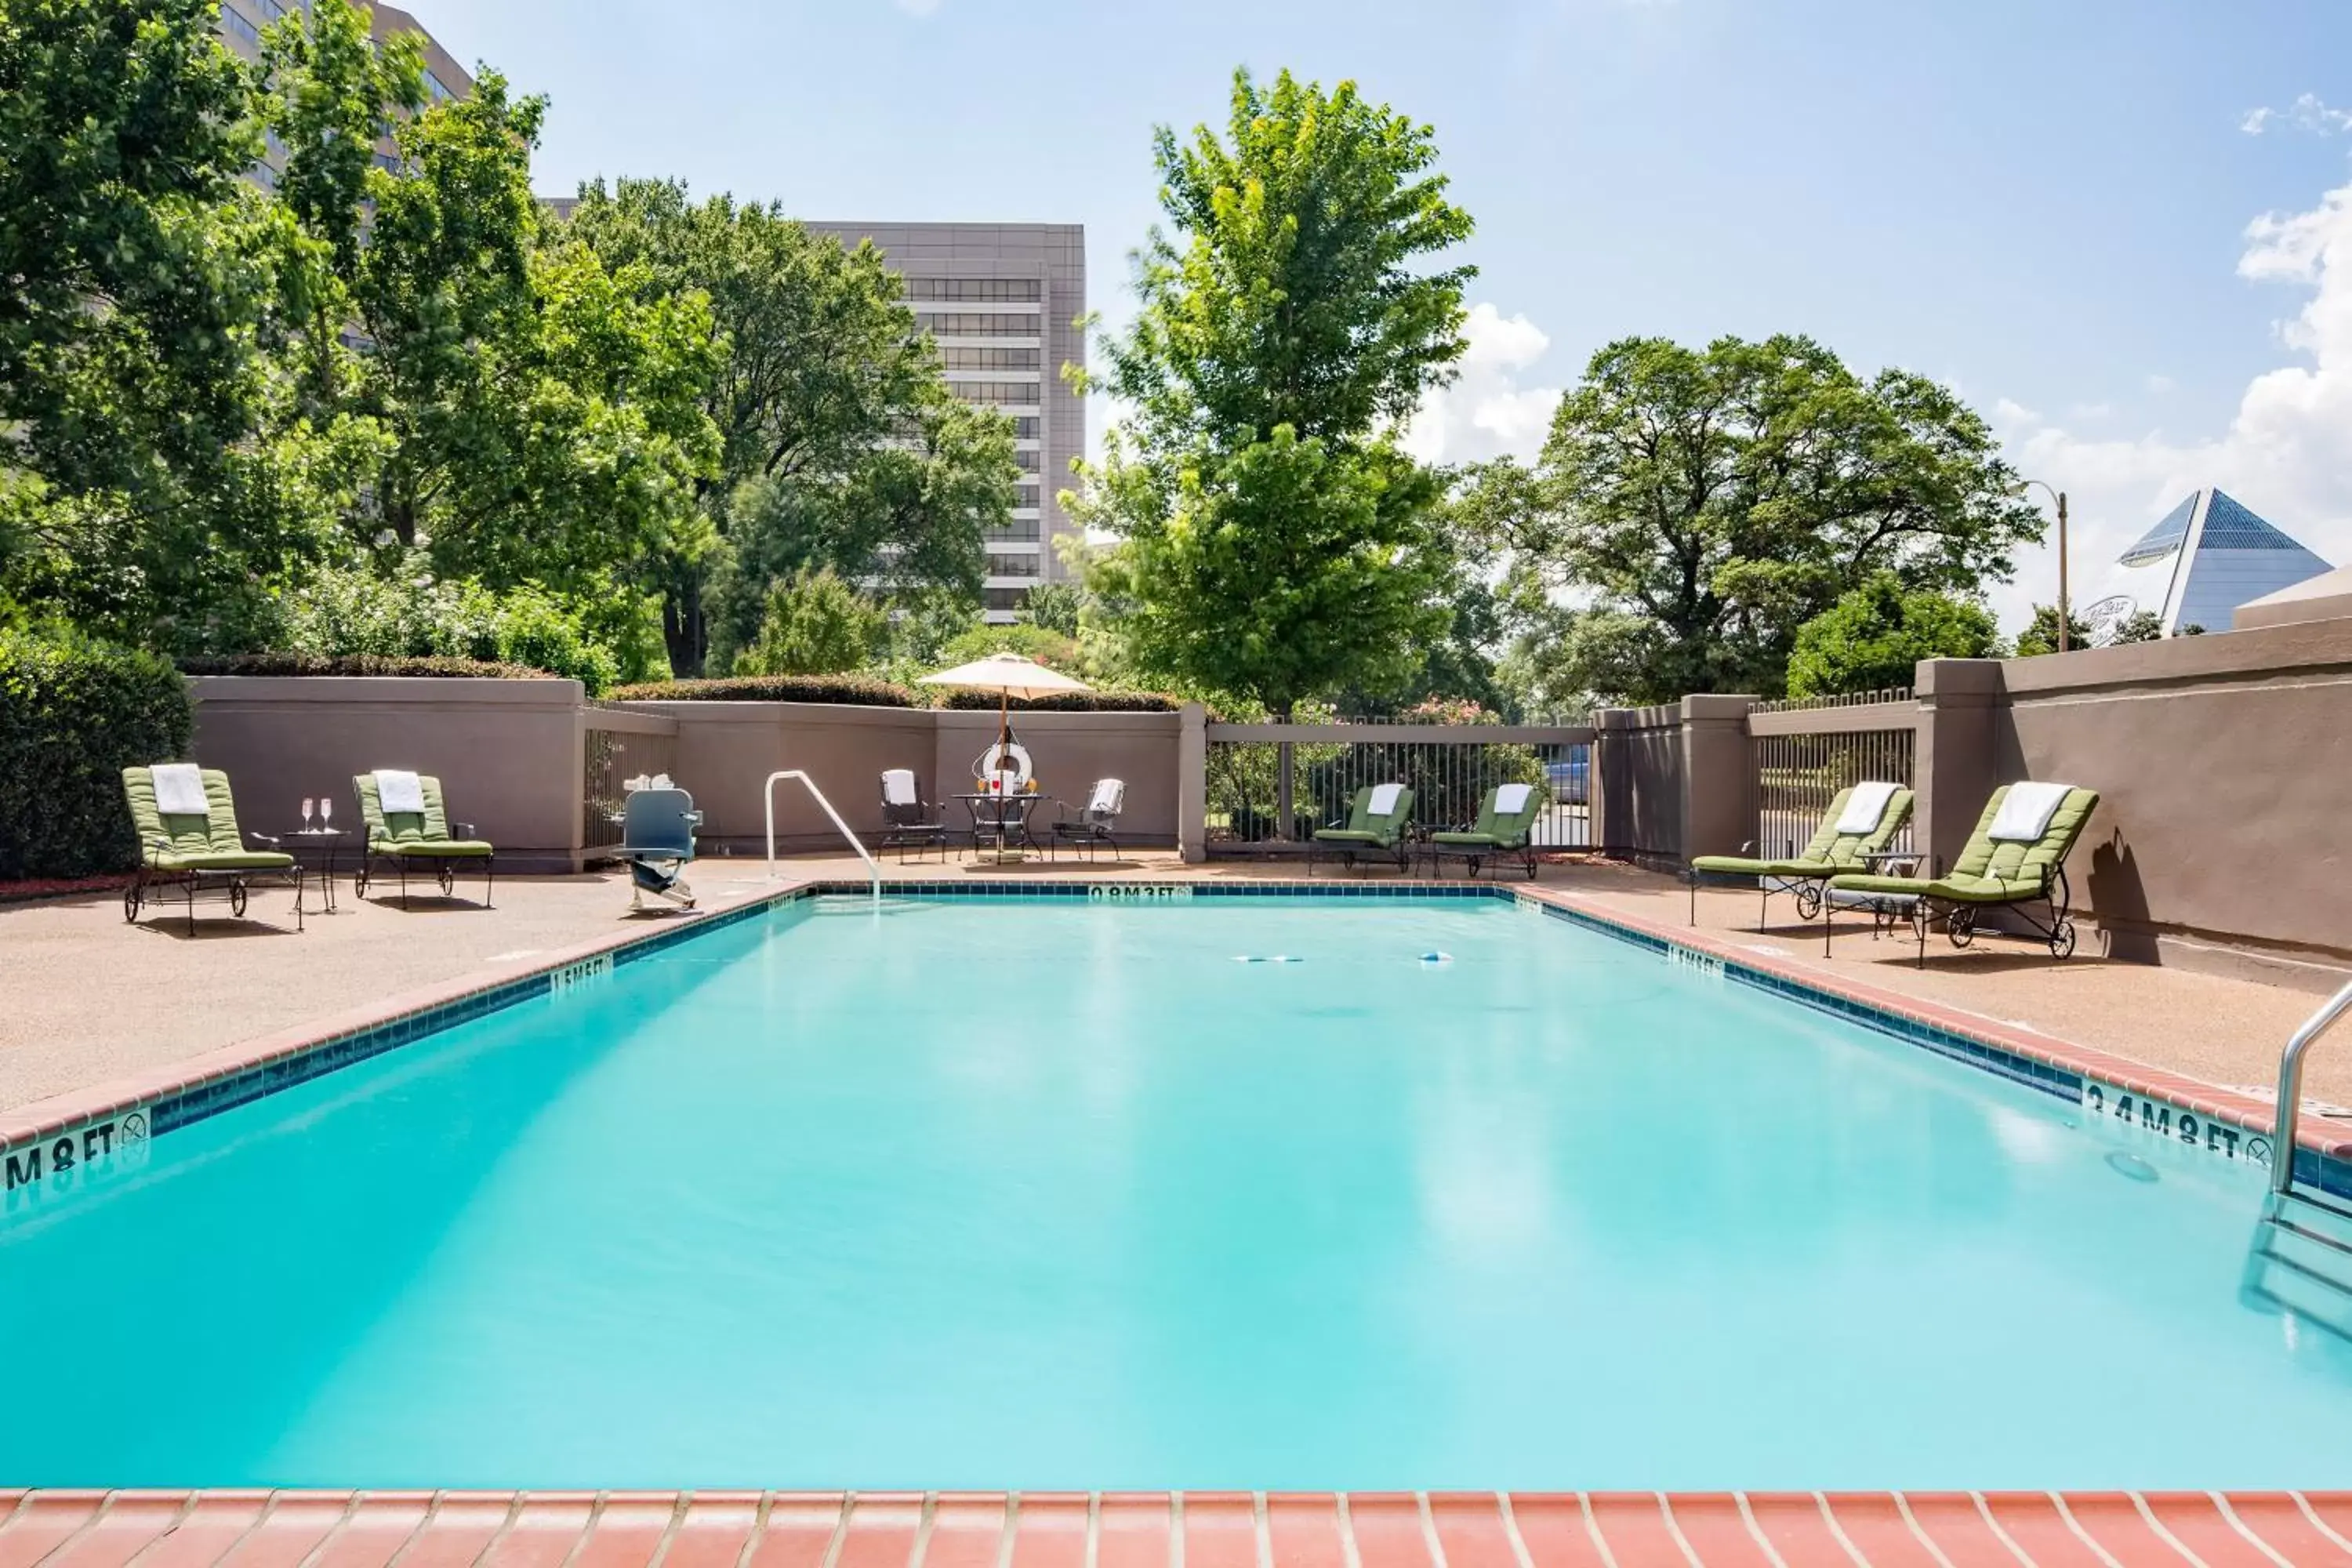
x: 2220, y: 556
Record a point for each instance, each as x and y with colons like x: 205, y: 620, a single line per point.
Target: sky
x: 2121, y: 228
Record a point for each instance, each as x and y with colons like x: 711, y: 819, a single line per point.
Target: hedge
x: 374, y: 664
x: 73, y: 714
x: 858, y: 690
x: 1070, y: 701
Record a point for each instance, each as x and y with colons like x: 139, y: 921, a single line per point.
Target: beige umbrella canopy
x: 1008, y: 675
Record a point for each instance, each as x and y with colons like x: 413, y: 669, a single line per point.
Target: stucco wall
x: 2224, y: 767
x: 507, y: 753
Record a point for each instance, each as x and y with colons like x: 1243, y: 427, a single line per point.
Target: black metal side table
x: 320, y: 844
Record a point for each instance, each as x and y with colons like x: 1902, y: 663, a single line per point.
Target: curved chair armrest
x: 462, y: 829
x: 156, y: 847
x: 269, y: 838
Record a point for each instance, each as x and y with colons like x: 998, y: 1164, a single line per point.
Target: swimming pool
x: 1072, y: 1193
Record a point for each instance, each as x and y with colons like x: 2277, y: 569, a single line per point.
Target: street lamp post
x: 2060, y: 497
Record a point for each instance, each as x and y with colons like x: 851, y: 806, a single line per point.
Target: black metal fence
x: 1797, y: 776
x: 1270, y: 787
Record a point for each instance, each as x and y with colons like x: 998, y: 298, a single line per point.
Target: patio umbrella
x: 1008, y: 675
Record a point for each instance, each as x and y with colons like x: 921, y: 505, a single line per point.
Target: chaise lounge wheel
x: 1963, y: 927
x: 131, y: 899
x: 447, y: 878
x: 2061, y: 941
x: 236, y: 900
x: 360, y: 883
x: 1809, y: 901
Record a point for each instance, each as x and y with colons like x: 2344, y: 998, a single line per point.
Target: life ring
x: 1001, y: 759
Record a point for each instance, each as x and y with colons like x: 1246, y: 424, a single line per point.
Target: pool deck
x: 1160, y: 1530
x: 86, y: 1000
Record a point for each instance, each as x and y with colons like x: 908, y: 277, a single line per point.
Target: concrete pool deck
x: 1170, y: 1530
x: 86, y: 999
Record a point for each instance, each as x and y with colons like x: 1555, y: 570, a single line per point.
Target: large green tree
x: 1694, y: 507
x: 1275, y: 541
x: 842, y: 447
x: 150, y: 480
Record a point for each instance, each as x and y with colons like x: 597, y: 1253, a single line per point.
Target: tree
x: 149, y: 490
x: 815, y: 625
x: 1703, y: 505
x: 1055, y: 606
x: 1277, y: 544
x: 1872, y: 638
x: 2140, y: 625
x: 840, y: 445
x: 2041, y: 636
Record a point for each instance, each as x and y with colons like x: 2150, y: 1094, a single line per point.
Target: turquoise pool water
x: 1062, y: 1196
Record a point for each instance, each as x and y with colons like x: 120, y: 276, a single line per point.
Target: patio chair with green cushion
x: 1376, y: 824
x: 1506, y: 826
x: 408, y: 823
x: 1860, y: 821
x: 186, y: 822
x: 2015, y: 859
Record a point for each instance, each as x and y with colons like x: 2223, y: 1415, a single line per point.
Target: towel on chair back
x: 180, y: 790
x: 1864, y: 807
x: 1384, y: 799
x: 898, y: 786
x: 2026, y: 810
x: 396, y: 791
x: 1511, y: 799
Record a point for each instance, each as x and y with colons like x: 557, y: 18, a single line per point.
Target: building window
x: 1013, y: 530
x: 1005, y: 598
x: 997, y: 392
x: 989, y: 359
x: 435, y: 89
x: 389, y: 162
x: 1027, y: 427
x: 976, y: 324
x: 234, y: 23
x: 977, y: 290
x: 1027, y: 461
x: 265, y: 176
x: 1024, y: 495
x: 270, y: 10
x: 270, y: 139
x: 1014, y: 566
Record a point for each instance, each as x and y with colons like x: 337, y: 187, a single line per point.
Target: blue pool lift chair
x: 657, y: 840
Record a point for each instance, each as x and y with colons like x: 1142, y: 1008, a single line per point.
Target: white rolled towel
x: 180, y: 790
x: 2025, y: 810
x: 1864, y: 807
x: 399, y: 790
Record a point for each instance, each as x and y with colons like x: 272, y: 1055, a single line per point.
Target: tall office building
x: 1002, y: 302
x: 240, y: 25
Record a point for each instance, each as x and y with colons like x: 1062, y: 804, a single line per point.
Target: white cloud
x: 2305, y: 113
x: 2286, y: 452
x: 1487, y: 413
x: 2161, y: 383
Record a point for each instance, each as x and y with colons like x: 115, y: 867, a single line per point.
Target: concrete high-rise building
x: 1002, y: 302
x: 240, y: 25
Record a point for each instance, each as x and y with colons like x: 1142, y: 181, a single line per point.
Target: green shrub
x: 815, y: 624
x: 858, y: 690
x: 1067, y: 701
x: 73, y: 714
x: 375, y: 664
x: 341, y: 612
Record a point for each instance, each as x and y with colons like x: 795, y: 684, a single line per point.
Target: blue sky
x: 2062, y: 208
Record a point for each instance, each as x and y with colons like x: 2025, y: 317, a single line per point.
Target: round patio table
x: 319, y: 845
x: 1001, y: 822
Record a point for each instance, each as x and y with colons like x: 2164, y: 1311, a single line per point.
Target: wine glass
x: 326, y: 813
x: 307, y: 805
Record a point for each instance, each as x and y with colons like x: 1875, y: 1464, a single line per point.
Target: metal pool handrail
x: 873, y: 866
x: 2290, y: 1086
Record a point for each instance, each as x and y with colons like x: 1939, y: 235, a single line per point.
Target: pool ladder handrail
x: 2290, y: 1085
x: 873, y: 866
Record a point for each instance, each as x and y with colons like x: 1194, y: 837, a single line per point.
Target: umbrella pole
x: 1003, y: 717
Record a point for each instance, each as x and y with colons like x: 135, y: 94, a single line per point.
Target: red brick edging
x: 1163, y: 1530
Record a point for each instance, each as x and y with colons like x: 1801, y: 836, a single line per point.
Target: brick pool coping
x: 204, y: 1085
x: 1166, y: 1530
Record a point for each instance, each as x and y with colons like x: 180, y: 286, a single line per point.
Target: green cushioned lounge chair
x: 423, y: 838
x: 1996, y: 871
x: 1831, y: 853
x: 191, y: 851
x: 1496, y: 834
x: 1365, y: 832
